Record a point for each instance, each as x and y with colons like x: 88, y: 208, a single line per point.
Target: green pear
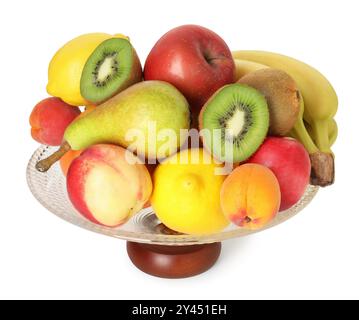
x: 146, y: 118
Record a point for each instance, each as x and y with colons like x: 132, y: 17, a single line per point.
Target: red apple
x: 290, y: 163
x: 194, y: 59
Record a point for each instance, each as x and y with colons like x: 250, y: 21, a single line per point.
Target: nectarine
x: 106, y: 186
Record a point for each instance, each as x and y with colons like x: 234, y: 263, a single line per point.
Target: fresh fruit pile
x: 206, y: 136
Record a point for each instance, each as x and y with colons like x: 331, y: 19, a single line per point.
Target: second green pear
x: 135, y: 119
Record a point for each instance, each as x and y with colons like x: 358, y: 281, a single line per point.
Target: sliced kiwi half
x: 111, y: 68
x: 234, y: 122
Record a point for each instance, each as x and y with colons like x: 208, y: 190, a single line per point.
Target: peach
x: 250, y: 196
x: 290, y: 163
x: 50, y: 118
x: 106, y: 185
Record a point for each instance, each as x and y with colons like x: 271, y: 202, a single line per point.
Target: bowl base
x: 173, y: 261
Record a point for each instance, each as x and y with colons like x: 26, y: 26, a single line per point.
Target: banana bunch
x: 315, y: 127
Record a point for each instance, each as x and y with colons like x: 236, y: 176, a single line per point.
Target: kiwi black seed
x: 111, y: 68
x: 235, y: 116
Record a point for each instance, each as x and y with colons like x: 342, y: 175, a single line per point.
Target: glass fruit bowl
x: 50, y: 190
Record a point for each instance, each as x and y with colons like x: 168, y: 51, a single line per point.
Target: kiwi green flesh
x: 107, y: 70
x: 240, y: 113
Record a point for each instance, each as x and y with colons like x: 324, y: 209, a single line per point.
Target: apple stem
x: 45, y: 164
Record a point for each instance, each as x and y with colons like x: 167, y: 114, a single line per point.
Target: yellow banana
x: 244, y: 66
x: 300, y: 132
x: 332, y: 131
x: 322, y: 163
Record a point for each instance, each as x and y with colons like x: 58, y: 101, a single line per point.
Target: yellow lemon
x: 186, y: 196
x: 66, y: 66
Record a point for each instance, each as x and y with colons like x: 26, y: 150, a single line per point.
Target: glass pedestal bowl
x: 151, y: 246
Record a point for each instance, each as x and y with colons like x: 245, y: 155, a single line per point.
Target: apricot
x: 107, y: 186
x: 67, y: 159
x: 50, y: 118
x: 250, y: 196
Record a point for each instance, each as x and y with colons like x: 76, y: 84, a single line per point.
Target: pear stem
x: 45, y: 164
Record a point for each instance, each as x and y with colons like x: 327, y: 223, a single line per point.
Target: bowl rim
x: 152, y: 238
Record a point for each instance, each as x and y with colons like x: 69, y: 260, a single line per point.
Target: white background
x: 314, y: 255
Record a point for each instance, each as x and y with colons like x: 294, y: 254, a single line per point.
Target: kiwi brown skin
x: 136, y: 75
x: 282, y: 95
